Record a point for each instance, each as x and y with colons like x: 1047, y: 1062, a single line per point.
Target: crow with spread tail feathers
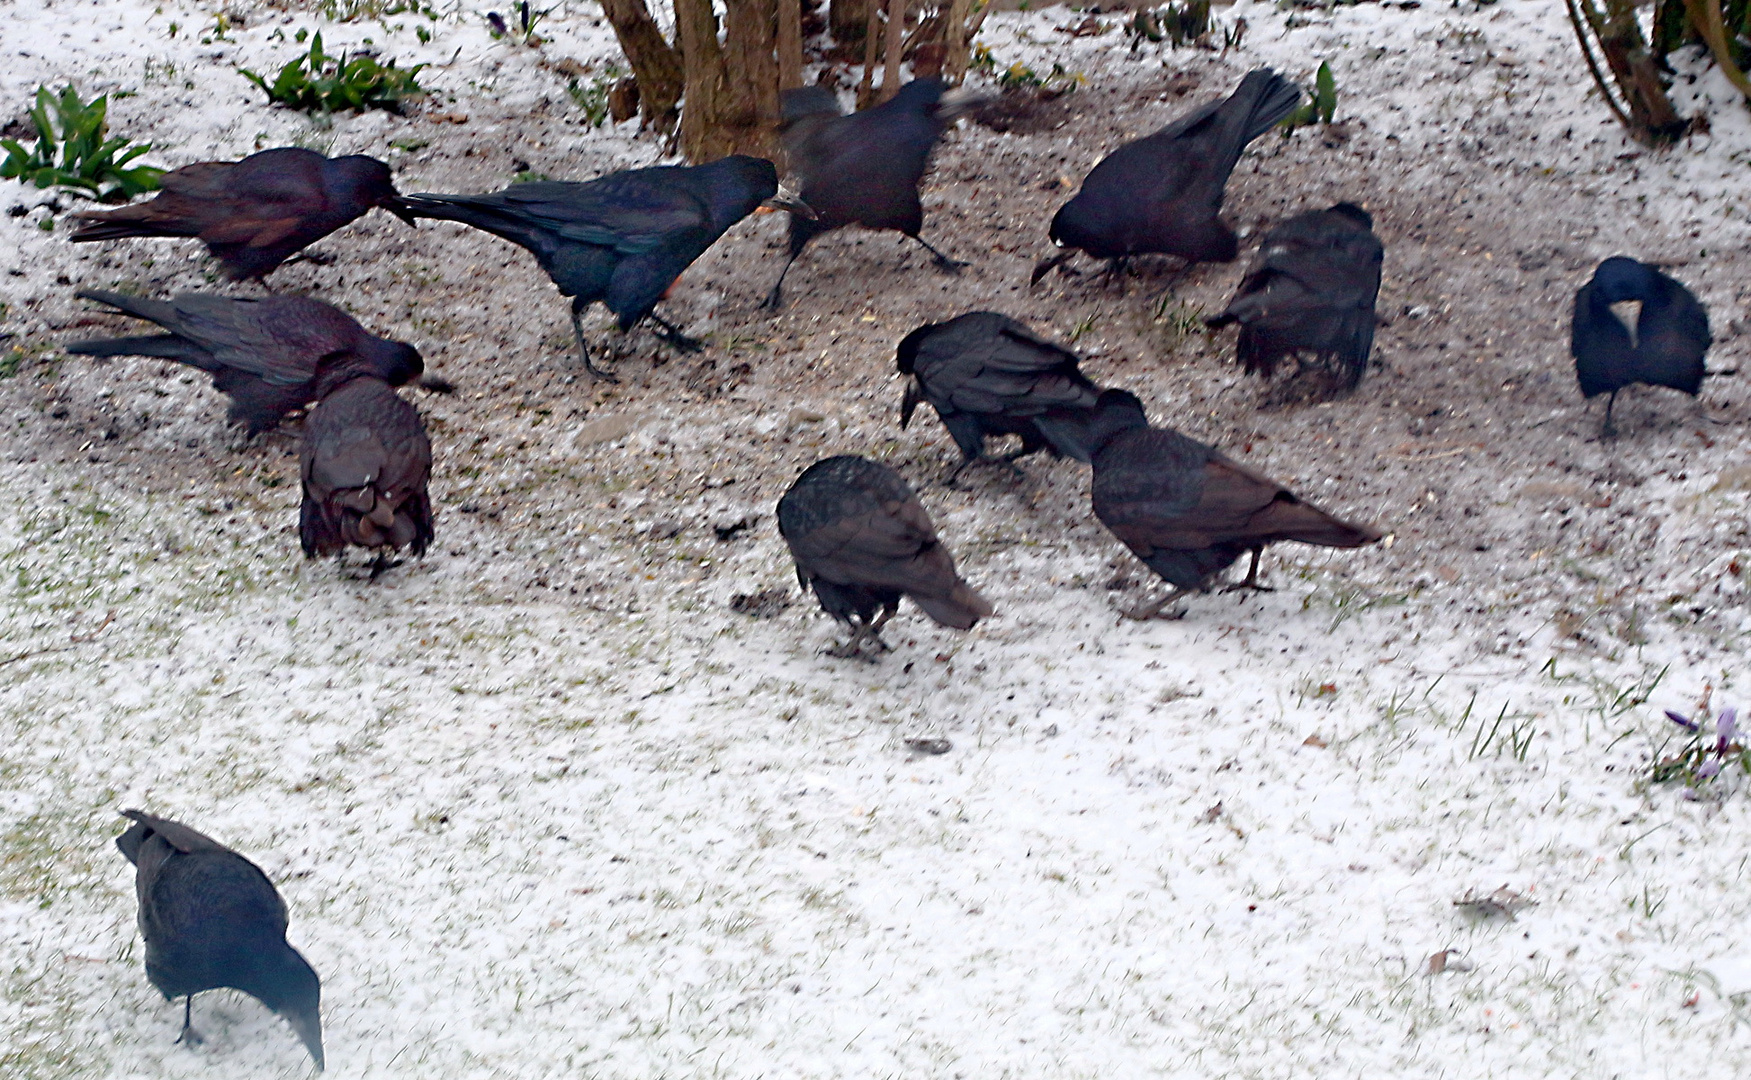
x: 365, y: 460
x: 862, y: 169
x: 861, y: 540
x: 212, y: 919
x: 256, y: 213
x: 987, y: 375
x: 1188, y: 511
x: 1162, y: 194
x: 623, y: 238
x: 263, y: 354
x: 1310, y: 290
x: 1665, y: 348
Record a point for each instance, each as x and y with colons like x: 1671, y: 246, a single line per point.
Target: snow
x: 543, y: 804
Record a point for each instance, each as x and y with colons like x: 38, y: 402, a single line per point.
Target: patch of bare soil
x: 1468, y: 439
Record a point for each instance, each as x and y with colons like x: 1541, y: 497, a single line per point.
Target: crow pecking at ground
x: 987, y: 375
x: 623, y: 238
x: 365, y: 460
x: 256, y: 213
x: 861, y: 540
x: 212, y: 919
x: 1162, y: 193
x: 263, y: 354
x: 1665, y: 347
x: 1311, y: 290
x: 1189, y: 512
x: 863, y: 169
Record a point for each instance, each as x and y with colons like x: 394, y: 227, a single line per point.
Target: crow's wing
x: 279, y: 339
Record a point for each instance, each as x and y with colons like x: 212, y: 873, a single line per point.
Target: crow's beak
x: 791, y: 201
x: 909, y: 402
x: 400, y: 209
x: 308, y: 1027
x: 960, y: 101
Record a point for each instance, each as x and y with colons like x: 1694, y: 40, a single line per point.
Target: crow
x: 1161, y: 194
x: 862, y: 169
x: 1189, y: 512
x: 623, y: 238
x: 861, y: 540
x: 1310, y: 289
x: 212, y: 919
x: 986, y: 374
x: 263, y: 354
x: 255, y: 213
x: 1665, y: 348
x: 365, y: 460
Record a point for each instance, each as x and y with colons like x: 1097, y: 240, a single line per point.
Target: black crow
x: 863, y: 169
x: 365, y: 460
x: 1189, y: 512
x: 1161, y: 194
x: 1666, y: 346
x: 861, y: 540
x: 623, y: 238
x: 1310, y: 289
x: 212, y: 919
x: 256, y: 213
x: 986, y: 374
x: 263, y: 354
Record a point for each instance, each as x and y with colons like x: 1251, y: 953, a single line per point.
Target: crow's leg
x: 672, y: 334
x: 861, y: 632
x: 943, y: 262
x: 189, y: 1034
x: 1609, y: 431
x: 584, y: 350
x: 382, y: 564
x: 1252, y: 577
x: 1143, y: 612
x: 775, y: 299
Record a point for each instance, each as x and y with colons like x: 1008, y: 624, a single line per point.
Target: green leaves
x: 73, y: 153
x: 320, y: 83
x: 1321, y: 108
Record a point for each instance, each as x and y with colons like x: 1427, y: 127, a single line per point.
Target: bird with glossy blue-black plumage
x: 212, y: 919
x: 1664, y: 347
x: 623, y: 238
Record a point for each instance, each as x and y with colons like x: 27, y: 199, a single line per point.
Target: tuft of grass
x: 72, y: 150
x: 320, y: 83
x: 593, y: 99
x: 1320, y: 109
x: 1184, y: 23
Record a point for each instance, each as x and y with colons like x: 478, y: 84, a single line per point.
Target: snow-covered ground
x: 544, y: 804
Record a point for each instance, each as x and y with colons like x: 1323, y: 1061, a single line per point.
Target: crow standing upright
x: 861, y: 540
x: 212, y: 919
x: 1161, y: 194
x: 1189, y: 512
x: 863, y: 169
x: 1666, y: 347
x: 365, y: 460
x: 623, y: 238
x: 263, y: 354
x: 987, y: 375
x: 256, y: 213
x: 1310, y: 289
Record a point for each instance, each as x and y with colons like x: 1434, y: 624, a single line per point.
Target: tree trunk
x: 731, y: 100
x: 1653, y: 119
x: 655, y: 66
x: 702, y: 137
x: 790, y: 44
x: 750, y: 108
x: 896, y: 38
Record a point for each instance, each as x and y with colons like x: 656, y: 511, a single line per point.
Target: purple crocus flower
x: 1726, y: 729
x: 1709, y: 769
x: 1682, y: 721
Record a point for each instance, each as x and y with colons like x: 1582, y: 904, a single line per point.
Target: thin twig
x: 1593, y: 65
x: 73, y: 641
